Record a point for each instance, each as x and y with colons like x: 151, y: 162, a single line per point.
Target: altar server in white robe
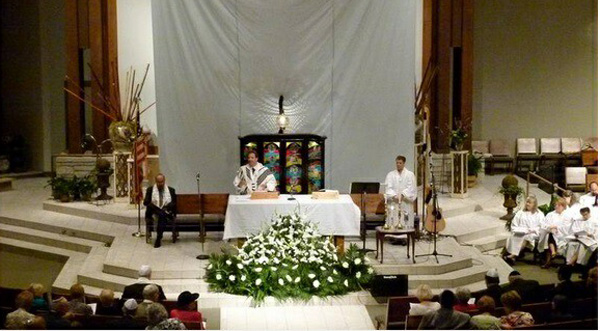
x: 573, y: 205
x: 584, y: 227
x: 554, y: 230
x: 401, y: 186
x: 591, y: 198
x: 254, y: 177
x: 525, y: 228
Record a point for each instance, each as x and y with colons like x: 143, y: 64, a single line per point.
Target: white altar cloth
x: 245, y: 217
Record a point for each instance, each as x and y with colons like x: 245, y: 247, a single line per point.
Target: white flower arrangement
x: 290, y: 259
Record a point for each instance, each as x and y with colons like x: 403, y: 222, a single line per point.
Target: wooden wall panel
x: 74, y: 110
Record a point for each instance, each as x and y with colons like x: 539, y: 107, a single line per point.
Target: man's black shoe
x: 157, y: 244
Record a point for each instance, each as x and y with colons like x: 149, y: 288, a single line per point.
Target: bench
x: 192, y: 210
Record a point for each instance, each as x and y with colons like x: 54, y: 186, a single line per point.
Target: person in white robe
x: 591, y: 198
x: 401, y: 187
x: 585, y: 238
x: 525, y: 228
x: 254, y: 177
x: 553, y: 232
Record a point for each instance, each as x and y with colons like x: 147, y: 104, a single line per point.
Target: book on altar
x: 256, y: 195
x: 326, y: 195
x: 520, y: 230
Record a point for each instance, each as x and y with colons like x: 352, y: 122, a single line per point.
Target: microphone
x: 198, y: 176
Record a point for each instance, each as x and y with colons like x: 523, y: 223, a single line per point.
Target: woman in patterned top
x: 511, y: 301
x: 158, y: 319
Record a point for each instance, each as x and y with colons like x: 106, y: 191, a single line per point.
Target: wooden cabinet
x: 296, y: 160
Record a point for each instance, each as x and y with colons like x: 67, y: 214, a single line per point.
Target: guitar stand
x: 437, y: 215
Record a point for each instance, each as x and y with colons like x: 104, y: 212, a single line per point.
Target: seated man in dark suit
x: 445, y: 318
x: 161, y: 205
x: 128, y: 322
x: 528, y: 289
x: 493, y: 289
x: 565, y: 286
x: 136, y: 290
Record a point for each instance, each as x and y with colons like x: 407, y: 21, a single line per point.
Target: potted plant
x: 473, y: 168
x: 60, y: 187
x: 512, y: 193
x: 86, y: 187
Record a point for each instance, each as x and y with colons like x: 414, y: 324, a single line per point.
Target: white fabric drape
x: 345, y: 68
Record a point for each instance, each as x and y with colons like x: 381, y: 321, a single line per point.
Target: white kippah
x: 145, y: 271
x: 130, y: 304
x: 492, y: 273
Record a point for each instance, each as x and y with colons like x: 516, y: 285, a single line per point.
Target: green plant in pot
x: 83, y: 188
x: 60, y: 188
x: 512, y: 192
x: 473, y: 168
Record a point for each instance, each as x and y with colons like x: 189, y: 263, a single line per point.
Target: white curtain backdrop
x: 345, y: 68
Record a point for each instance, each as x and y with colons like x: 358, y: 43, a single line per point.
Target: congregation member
x: 492, y: 287
x: 19, y: 318
x: 39, y: 302
x: 161, y: 205
x: 136, y: 289
x: 158, y: 319
x: 445, y: 318
x: 529, y: 290
x: 151, y: 295
x: 485, y: 320
x: 514, y: 317
x: 425, y: 295
x: 463, y: 295
x: 591, y: 198
x: 59, y: 317
x: 525, y: 228
x: 591, y: 283
x: 77, y: 304
x: 128, y: 321
x: 560, y: 309
x: 565, y: 286
x: 107, y: 304
x: 254, y: 176
x: 585, y: 239
x: 554, y: 231
x: 187, y: 308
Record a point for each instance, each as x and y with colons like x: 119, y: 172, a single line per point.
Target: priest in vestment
x: 591, y: 198
x: 401, y: 187
x: 254, y: 177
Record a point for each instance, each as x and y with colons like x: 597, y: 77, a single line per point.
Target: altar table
x: 244, y: 217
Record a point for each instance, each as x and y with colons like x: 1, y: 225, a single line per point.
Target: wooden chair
x: 412, y: 322
x: 372, y: 211
x: 213, y: 208
x: 575, y: 178
x: 500, y: 155
x: 397, y: 310
x: 571, y: 149
x: 526, y: 152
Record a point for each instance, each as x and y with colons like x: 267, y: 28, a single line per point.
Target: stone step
x: 451, y: 279
x: 490, y: 242
x: 110, y: 212
x: 106, y: 239
x: 47, y: 238
x: 6, y: 184
x: 445, y: 266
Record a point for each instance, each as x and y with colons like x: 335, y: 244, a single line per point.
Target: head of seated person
x: 511, y: 301
x: 145, y: 271
x: 492, y: 278
x: 564, y: 273
x: 129, y: 308
x: 463, y: 295
x: 486, y: 304
x: 423, y: 293
x: 447, y: 299
x: 151, y: 293
x: 77, y: 292
x: 187, y: 301
x: 107, y: 297
x: 37, y: 289
x: 24, y: 300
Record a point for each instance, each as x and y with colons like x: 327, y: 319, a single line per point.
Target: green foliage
x: 75, y: 187
x: 547, y: 208
x: 474, y: 164
x: 513, y: 190
x: 288, y: 261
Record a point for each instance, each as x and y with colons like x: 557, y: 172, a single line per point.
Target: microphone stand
x: 291, y: 198
x: 202, y: 256
x: 437, y: 216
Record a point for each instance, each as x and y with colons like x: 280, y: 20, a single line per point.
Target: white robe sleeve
x: 517, y: 221
x: 410, y: 192
x: 389, y: 186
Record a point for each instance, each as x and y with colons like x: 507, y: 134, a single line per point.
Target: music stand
x: 364, y: 188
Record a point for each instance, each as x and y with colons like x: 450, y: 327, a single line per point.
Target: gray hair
x: 463, y: 295
x: 156, y: 313
x: 145, y: 271
x: 150, y: 292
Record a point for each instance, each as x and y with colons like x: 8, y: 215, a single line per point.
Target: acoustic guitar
x: 434, y: 222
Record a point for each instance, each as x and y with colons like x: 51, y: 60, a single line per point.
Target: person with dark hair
x: 77, y: 304
x: 401, y: 190
x: 160, y: 205
x: 511, y: 301
x: 254, y: 176
x: 485, y: 320
x: 565, y: 286
x: 560, y: 309
x: 187, y: 308
x: 585, y: 239
x: 19, y: 318
x: 445, y: 318
x: 529, y: 290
